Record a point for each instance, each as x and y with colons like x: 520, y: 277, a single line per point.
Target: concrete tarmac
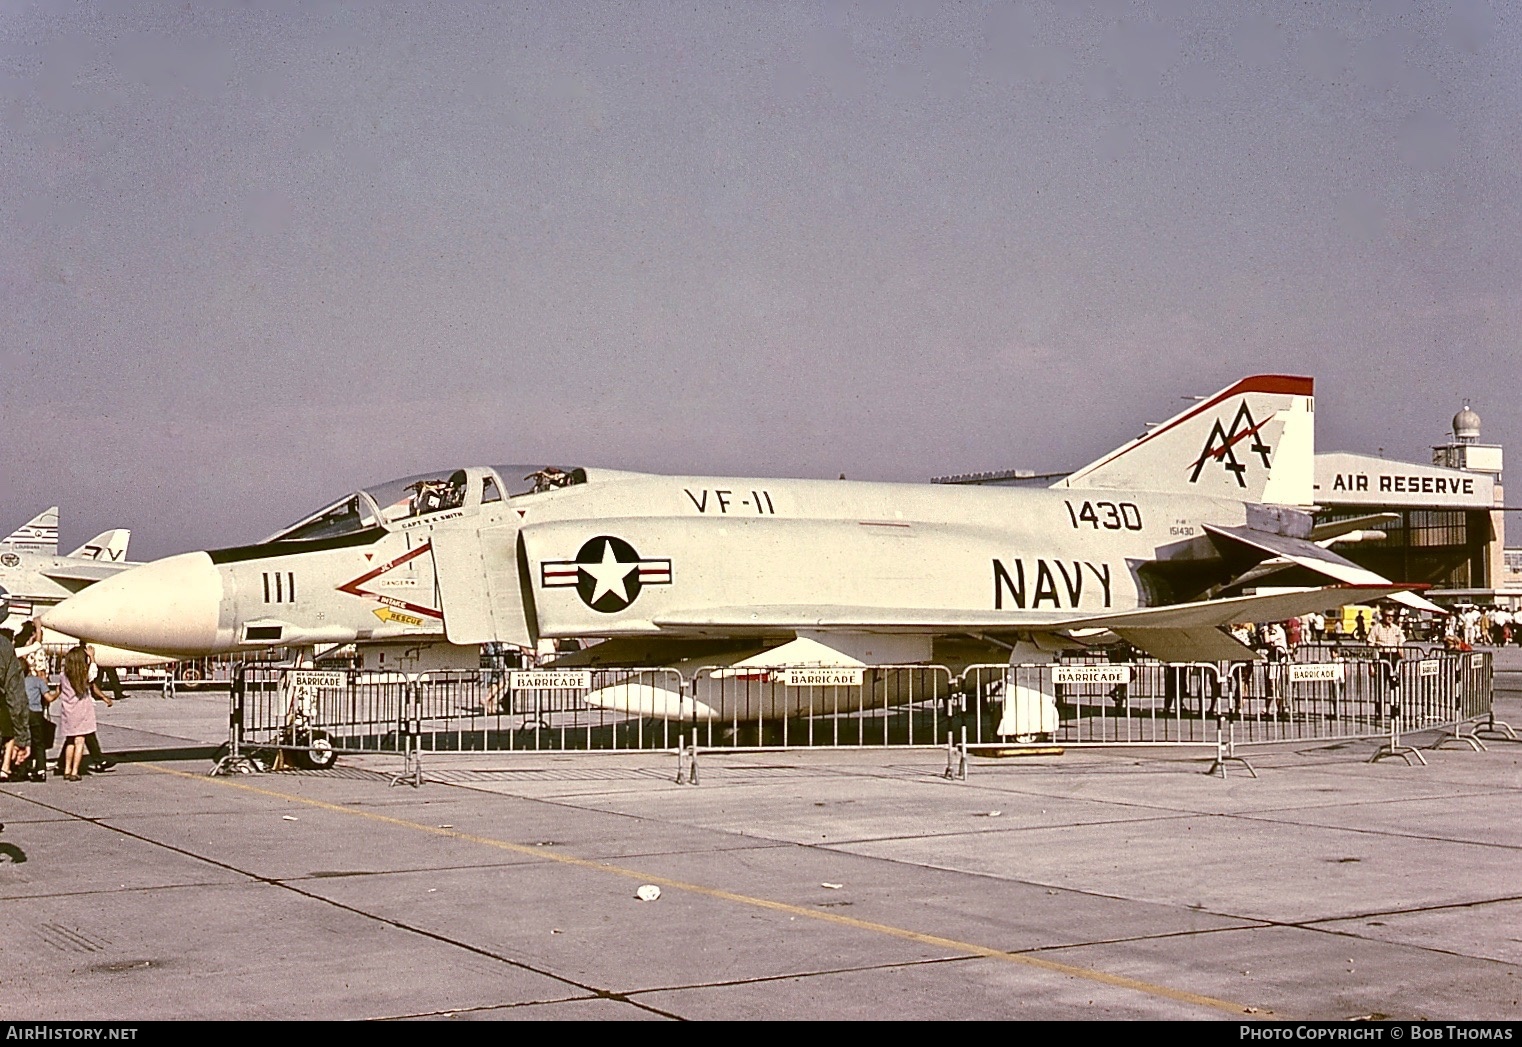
x: 831, y: 884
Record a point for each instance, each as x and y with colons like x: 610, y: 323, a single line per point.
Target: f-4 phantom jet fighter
x: 1150, y: 545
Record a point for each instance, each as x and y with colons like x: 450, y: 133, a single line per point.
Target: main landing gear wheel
x: 319, y: 754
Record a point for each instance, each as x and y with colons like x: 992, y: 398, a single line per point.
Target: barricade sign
x: 1109, y: 675
x: 550, y: 680
x: 1320, y: 672
x: 318, y: 681
x: 1428, y: 667
x: 820, y: 677
x: 305, y: 689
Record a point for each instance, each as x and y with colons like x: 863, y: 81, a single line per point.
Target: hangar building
x: 1449, y: 530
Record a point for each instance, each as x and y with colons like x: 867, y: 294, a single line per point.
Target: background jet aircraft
x: 33, y: 576
x: 1151, y: 545
x: 38, y: 535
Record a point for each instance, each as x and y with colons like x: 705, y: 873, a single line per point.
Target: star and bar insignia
x: 607, y: 573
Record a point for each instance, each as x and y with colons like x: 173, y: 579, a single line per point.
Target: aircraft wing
x: 1314, y: 558
x: 1190, y: 632
x: 757, y: 620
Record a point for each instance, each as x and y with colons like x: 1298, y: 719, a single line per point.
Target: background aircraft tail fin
x: 108, y: 546
x: 1253, y: 441
x: 40, y: 533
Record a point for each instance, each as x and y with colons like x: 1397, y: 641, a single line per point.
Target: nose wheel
x: 319, y: 754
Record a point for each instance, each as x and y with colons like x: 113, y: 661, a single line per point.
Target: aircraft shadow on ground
x: 168, y: 754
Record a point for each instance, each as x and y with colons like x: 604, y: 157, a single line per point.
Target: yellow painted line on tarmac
x: 934, y: 940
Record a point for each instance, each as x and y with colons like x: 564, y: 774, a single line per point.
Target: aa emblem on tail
x: 1220, y: 446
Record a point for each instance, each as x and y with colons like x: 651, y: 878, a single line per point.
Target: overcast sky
x: 255, y: 256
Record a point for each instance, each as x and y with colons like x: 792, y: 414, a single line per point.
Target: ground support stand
x: 1393, y: 745
x: 1498, y: 730
x: 234, y: 764
x: 412, y: 735
x: 1455, y: 733
x: 956, y: 757
x: 686, y: 762
x: 1226, y: 749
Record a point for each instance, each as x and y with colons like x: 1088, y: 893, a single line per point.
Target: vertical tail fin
x: 1254, y: 441
x: 39, y: 534
x: 108, y: 546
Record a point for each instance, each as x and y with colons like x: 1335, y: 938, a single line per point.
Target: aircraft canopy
x: 424, y: 494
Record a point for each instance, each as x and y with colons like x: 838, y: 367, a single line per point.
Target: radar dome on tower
x: 1466, y: 425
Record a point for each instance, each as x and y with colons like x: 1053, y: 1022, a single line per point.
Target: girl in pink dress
x: 76, y: 711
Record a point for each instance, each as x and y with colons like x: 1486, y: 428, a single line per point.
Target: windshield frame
x: 310, y: 528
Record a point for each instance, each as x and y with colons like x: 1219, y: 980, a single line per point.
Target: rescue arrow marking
x: 387, y: 614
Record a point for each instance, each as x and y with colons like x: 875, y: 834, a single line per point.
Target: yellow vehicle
x: 1345, y: 621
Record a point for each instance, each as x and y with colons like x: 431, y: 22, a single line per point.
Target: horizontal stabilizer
x: 76, y: 574
x: 1312, y: 557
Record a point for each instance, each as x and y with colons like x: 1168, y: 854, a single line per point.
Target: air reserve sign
x: 1354, y: 479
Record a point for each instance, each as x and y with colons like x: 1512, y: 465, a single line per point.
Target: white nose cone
x: 170, y: 606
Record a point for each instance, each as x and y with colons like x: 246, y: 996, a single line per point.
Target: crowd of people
x: 1464, y: 629
x: 1490, y: 626
x: 37, y: 711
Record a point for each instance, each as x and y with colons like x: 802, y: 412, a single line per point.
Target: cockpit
x: 426, y: 494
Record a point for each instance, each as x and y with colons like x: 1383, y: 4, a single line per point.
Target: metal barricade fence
x: 279, y: 708
x: 1476, y: 673
x: 576, y: 710
x: 1315, y: 698
x: 1322, y: 693
x: 282, y: 709
x: 1091, y: 702
x: 812, y: 707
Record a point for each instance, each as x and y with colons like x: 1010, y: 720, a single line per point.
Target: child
x: 76, y: 711
x: 39, y: 695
